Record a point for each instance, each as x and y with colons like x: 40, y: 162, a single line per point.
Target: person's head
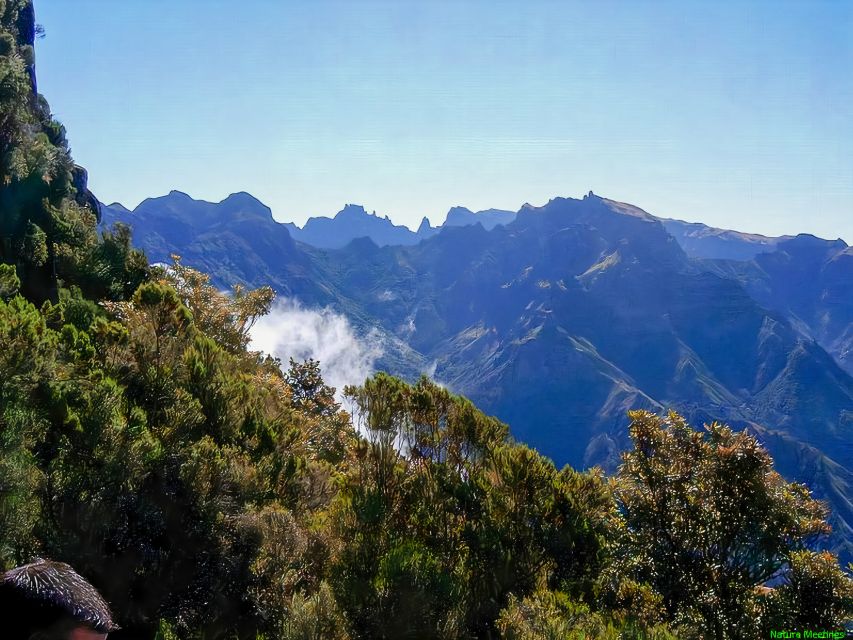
x: 50, y: 601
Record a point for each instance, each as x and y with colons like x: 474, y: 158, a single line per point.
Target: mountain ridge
x: 561, y: 320
x: 156, y: 217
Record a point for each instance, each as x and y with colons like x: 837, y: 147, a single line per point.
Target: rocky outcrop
x: 84, y: 197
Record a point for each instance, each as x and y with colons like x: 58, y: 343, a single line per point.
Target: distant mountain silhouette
x: 490, y: 218
x: 354, y: 222
x: 348, y: 224
x: 562, y: 319
x: 351, y: 222
x: 236, y: 239
x: 701, y: 241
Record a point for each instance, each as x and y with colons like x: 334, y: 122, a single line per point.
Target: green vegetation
x: 210, y: 494
x: 47, y: 223
x: 205, y: 492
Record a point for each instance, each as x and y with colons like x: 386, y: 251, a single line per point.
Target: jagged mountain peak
x: 590, y: 204
x: 353, y: 210
x: 617, y: 218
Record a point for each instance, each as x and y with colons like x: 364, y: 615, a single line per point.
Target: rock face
x: 84, y: 197
x: 563, y: 319
x: 426, y: 230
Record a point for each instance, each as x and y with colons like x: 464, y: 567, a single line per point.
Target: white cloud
x: 408, y: 327
x: 292, y: 331
x: 430, y: 370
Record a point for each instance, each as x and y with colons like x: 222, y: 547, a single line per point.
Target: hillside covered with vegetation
x: 209, y: 492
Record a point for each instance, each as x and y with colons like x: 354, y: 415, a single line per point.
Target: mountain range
x: 560, y: 318
x: 354, y: 222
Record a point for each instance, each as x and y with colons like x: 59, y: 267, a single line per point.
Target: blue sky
x: 738, y: 114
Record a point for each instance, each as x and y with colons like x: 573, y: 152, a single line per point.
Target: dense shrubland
x: 210, y: 493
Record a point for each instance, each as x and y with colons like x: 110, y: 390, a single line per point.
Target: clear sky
x: 738, y: 114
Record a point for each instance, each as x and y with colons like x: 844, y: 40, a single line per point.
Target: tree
x: 27, y: 358
x: 227, y: 319
x: 707, y: 520
x: 42, y: 192
x: 548, y: 615
x: 10, y: 284
x: 443, y: 518
x: 329, y: 430
x: 174, y: 467
x: 815, y: 594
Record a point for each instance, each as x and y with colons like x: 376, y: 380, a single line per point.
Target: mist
x: 292, y: 331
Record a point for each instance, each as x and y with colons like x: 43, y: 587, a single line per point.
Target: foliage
x: 171, y: 471
x: 47, y: 227
x: 225, y: 319
x: 443, y: 518
x: 552, y: 615
x: 10, y: 284
x: 202, y: 486
x: 707, y: 520
x: 314, y: 617
x: 816, y: 594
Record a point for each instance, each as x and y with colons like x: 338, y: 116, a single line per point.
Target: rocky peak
x: 352, y: 211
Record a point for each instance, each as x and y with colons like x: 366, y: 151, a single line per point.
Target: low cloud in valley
x: 292, y: 331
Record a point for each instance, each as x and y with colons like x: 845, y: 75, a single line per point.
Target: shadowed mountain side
x: 830, y: 481
x: 578, y: 310
x: 617, y: 281
x: 349, y: 224
x: 237, y: 241
x: 810, y: 281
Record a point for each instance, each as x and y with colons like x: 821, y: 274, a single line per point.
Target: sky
x: 738, y: 114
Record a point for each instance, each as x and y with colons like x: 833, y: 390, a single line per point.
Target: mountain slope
x: 701, y: 241
x: 561, y: 320
x: 237, y: 241
x: 591, y: 271
x: 810, y: 281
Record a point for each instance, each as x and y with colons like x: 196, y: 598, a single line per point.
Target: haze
x: 736, y: 114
